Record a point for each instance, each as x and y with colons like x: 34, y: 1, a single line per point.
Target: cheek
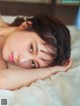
x: 26, y: 65
x: 18, y: 44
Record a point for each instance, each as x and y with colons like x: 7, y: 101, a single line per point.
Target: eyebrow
x: 44, y: 60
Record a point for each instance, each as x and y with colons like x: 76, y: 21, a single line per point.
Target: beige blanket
x: 62, y: 89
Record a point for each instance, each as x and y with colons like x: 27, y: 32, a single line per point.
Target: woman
x: 37, y: 42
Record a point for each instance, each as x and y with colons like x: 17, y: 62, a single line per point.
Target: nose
x: 22, y: 58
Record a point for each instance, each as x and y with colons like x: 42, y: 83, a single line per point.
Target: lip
x: 11, y: 57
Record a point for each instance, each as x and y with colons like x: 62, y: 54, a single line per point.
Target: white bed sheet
x: 62, y: 89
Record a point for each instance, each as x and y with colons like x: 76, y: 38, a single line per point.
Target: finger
x: 55, y: 69
x: 66, y: 67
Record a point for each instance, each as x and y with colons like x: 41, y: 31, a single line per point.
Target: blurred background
x: 67, y: 10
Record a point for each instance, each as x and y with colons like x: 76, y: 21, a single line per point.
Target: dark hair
x: 53, y: 32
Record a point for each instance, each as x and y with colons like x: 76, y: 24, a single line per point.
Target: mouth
x: 11, y: 58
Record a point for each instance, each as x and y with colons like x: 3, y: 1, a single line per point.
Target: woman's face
x: 26, y: 49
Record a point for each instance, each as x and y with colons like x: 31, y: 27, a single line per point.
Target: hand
x: 44, y: 73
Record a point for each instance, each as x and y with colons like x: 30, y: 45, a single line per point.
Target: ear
x: 25, y: 25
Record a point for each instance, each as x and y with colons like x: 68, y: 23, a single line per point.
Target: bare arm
x: 10, y: 79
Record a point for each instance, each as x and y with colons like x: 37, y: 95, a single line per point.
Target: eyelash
x: 31, y: 51
x: 31, y: 48
x: 33, y: 64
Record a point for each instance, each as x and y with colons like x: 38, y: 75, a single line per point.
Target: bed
x: 62, y: 89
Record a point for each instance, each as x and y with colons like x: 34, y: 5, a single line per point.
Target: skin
x: 29, y: 51
x: 12, y: 78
